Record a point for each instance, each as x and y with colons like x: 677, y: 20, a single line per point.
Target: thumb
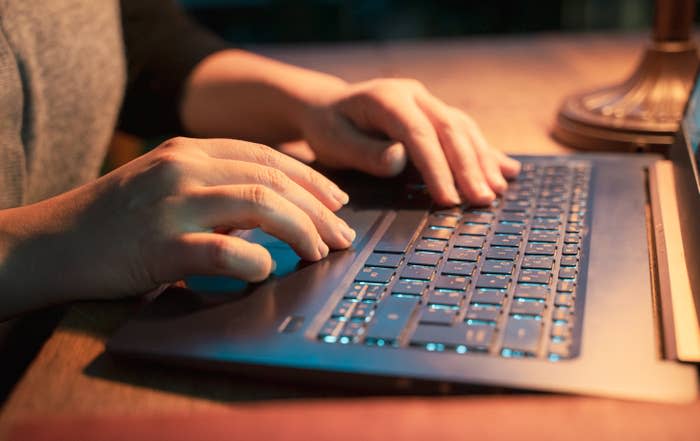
x: 214, y: 254
x: 370, y: 154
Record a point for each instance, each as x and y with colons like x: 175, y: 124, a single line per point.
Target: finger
x: 403, y: 121
x: 490, y: 162
x: 256, y: 206
x: 321, y: 187
x: 509, y: 167
x: 334, y: 231
x: 355, y: 149
x: 460, y: 152
x: 216, y: 254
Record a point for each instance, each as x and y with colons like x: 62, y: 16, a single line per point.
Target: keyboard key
x: 561, y: 349
x: 375, y: 275
x: 538, y: 292
x: 470, y: 241
x: 544, y: 224
x: 562, y: 314
x: 561, y: 331
x: 527, y: 308
x: 409, y: 287
x: 400, y: 233
x: 522, y: 336
x: 436, y: 233
x: 417, y: 272
x: 564, y: 300
x: 570, y: 249
x: 329, y: 331
x: 490, y: 296
x: 506, y: 240
x: 452, y: 282
x: 457, y: 268
x: 374, y: 292
x: 343, y: 309
x: 473, y: 230
x: 438, y: 316
x: 385, y: 260
x: 355, y: 291
x: 538, y: 262
x: 566, y: 285
x: 443, y: 221
x: 362, y: 311
x: 513, y: 216
x: 437, y: 246
x: 567, y: 272
x: 569, y: 260
x: 477, y: 218
x: 475, y: 337
x: 390, y: 319
x: 447, y: 298
x: 482, y: 313
x: 572, y: 238
x: 503, y: 253
x: 545, y: 249
x: 574, y: 228
x: 516, y: 205
x: 497, y: 267
x: 510, y: 228
x: 493, y: 281
x: 535, y: 276
x: 468, y: 255
x: 547, y: 213
x: 544, y: 236
x: 428, y: 259
x: 352, y: 331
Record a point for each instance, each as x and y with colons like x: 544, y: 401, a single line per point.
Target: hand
x: 372, y: 126
x: 152, y: 221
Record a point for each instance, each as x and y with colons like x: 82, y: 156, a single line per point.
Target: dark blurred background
x: 280, y: 21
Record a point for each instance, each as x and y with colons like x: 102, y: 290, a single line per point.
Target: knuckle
x: 265, y: 155
x: 175, y: 142
x: 274, y: 178
x: 322, y: 214
x: 413, y: 84
x: 259, y: 195
x: 219, y: 252
x: 171, y: 165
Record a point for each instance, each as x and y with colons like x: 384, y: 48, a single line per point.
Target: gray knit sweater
x: 67, y: 67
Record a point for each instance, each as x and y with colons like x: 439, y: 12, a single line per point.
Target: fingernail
x: 348, y: 233
x: 486, y: 192
x: 339, y: 195
x: 323, y: 249
x: 502, y: 183
x: 273, y: 267
x: 453, y: 197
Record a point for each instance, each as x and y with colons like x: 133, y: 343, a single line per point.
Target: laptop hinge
x: 674, y: 301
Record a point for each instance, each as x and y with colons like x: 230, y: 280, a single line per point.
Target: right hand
x: 152, y: 221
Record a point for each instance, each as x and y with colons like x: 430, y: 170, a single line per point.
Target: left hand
x: 374, y: 125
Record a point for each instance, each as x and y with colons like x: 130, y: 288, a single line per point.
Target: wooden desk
x: 512, y: 86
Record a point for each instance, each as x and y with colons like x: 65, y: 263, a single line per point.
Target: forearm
x: 23, y: 266
x: 237, y: 94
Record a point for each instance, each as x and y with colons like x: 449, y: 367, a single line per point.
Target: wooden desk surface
x: 512, y: 86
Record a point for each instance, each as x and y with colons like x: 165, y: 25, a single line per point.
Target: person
x: 73, y: 70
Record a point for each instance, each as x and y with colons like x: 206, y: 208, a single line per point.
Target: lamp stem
x: 673, y: 20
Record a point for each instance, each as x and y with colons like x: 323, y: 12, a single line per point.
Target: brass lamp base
x: 642, y: 113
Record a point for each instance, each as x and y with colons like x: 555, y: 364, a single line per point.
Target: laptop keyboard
x: 500, y: 280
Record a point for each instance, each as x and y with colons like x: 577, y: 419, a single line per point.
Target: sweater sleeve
x: 162, y: 46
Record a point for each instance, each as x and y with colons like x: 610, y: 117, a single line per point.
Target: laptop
x: 583, y: 278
